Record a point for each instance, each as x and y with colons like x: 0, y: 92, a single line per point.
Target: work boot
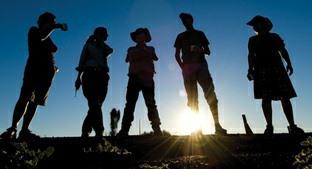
x: 220, y: 130
x: 294, y: 130
x: 122, y: 133
x: 10, y: 134
x: 99, y: 133
x: 157, y: 130
x: 269, y: 130
x: 27, y: 135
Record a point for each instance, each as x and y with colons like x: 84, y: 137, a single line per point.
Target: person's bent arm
x: 285, y: 55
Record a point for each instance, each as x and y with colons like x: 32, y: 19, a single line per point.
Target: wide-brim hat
x: 264, y: 21
x: 139, y: 31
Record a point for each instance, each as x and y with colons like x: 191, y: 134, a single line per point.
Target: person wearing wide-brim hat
x: 266, y: 69
x: 139, y: 31
x: 141, y: 72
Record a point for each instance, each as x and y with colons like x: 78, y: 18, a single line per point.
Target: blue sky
x: 224, y: 23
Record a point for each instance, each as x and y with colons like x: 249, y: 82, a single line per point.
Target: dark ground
x: 233, y: 151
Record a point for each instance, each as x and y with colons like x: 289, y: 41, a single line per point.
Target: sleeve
x: 154, y: 56
x: 128, y: 57
x: 178, y: 41
x: 83, y: 58
x: 107, y: 50
x: 204, y: 39
x: 250, y: 46
x: 278, y: 41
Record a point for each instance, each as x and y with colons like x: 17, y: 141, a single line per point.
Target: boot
x: 10, y: 134
x: 269, y: 130
x: 294, y: 130
x: 124, y: 131
x: 27, y: 135
x: 157, y: 130
x: 220, y: 130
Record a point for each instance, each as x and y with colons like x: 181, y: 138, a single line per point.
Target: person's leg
x: 288, y: 111
x: 31, y: 110
x: 87, y: 89
x: 190, y: 85
x: 206, y: 83
x: 132, y: 95
x: 19, y: 110
x: 153, y: 116
x: 101, y: 90
x: 18, y: 113
x: 267, y: 111
x: 87, y: 125
x: 287, y: 107
x: 96, y: 117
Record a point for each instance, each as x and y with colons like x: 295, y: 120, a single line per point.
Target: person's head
x: 100, y: 34
x: 187, y: 20
x: 141, y: 35
x: 46, y: 21
x: 260, y: 24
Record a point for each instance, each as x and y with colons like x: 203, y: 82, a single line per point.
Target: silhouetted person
x: 38, y: 75
x: 194, y: 45
x: 266, y: 69
x: 141, y: 72
x: 93, y: 70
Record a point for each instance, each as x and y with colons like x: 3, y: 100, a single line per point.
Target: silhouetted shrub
x: 303, y: 160
x: 20, y: 156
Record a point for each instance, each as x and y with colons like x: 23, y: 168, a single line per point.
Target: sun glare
x: 191, y: 122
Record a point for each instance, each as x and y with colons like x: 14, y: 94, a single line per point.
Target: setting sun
x: 190, y: 122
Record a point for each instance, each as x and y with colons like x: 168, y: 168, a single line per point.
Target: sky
x: 223, y: 22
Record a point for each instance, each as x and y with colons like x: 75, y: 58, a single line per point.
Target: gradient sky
x: 224, y: 23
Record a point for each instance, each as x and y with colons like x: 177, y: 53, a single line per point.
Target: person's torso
x: 40, y: 59
x: 189, y: 40
x: 141, y: 60
x: 266, y: 50
x: 96, y: 56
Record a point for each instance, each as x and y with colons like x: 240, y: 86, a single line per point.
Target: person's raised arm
x: 45, y: 34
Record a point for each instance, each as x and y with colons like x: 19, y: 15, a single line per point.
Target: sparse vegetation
x: 21, y: 156
x: 303, y: 160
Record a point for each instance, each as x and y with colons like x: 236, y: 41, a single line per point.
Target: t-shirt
x: 40, y: 60
x: 94, y: 55
x: 141, y: 59
x: 187, y: 41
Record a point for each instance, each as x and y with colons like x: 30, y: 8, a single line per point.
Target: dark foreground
x: 166, y: 152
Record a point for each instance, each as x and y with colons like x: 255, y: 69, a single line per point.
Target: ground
x: 234, y: 151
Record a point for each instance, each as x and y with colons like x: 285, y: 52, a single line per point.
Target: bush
x: 20, y: 156
x: 303, y: 160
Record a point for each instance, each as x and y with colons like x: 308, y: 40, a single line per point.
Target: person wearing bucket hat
x: 39, y: 73
x: 141, y: 72
x: 194, y: 46
x: 266, y: 69
x: 93, y: 75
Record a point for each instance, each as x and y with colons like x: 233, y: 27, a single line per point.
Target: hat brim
x: 264, y: 21
x: 141, y: 30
